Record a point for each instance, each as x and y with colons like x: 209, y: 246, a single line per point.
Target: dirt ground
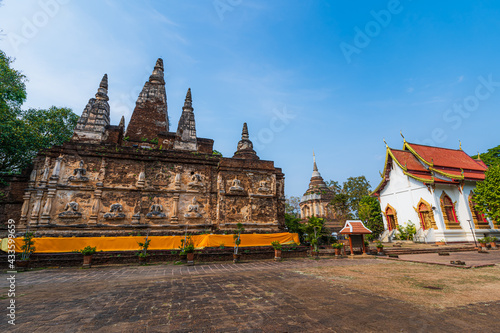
x: 418, y: 284
x: 301, y: 295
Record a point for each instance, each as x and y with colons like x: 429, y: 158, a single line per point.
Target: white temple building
x: 432, y: 188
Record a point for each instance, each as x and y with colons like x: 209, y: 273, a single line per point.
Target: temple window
x: 449, y: 212
x: 480, y: 221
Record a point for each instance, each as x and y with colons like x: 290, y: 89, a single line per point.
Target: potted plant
x: 237, y: 242
x: 493, y: 242
x: 337, y: 248
x: 182, y: 253
x: 28, y: 249
x: 87, y: 252
x: 189, y: 251
x: 277, y: 250
x: 367, y: 246
x: 143, y: 251
x: 380, y: 248
x: 483, y: 242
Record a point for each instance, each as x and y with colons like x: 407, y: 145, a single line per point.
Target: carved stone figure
x: 71, y: 211
x: 264, y: 187
x: 236, y: 186
x: 156, y: 212
x: 115, y: 212
x: 79, y: 174
x: 193, y: 210
x: 195, y: 183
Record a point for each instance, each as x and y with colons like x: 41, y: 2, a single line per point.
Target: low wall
x: 55, y: 260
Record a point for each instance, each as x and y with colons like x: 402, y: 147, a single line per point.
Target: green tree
x: 487, y: 194
x: 340, y: 205
x: 293, y: 225
x: 347, y: 198
x: 491, y: 157
x: 313, y: 230
x: 356, y: 188
x: 24, y: 133
x: 292, y: 206
x: 370, y: 213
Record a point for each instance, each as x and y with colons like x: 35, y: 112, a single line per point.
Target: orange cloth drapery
x: 129, y: 243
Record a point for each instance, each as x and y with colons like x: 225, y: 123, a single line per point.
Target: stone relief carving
x: 102, y: 171
x: 163, y: 176
x: 45, y: 170
x: 236, y: 186
x: 196, y: 182
x: 115, y: 212
x: 79, y: 174
x: 264, y: 187
x: 156, y: 212
x: 71, y: 211
x: 141, y: 179
x: 193, y: 210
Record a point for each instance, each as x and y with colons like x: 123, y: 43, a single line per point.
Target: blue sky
x: 333, y: 76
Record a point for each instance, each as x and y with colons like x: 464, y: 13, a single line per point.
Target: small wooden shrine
x: 355, y: 229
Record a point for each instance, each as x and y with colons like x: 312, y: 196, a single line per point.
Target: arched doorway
x: 449, y: 212
x: 391, y: 217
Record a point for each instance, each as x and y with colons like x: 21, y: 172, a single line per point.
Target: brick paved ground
x: 471, y: 259
x: 249, y: 297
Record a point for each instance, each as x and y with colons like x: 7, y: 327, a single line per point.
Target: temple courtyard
x: 295, y: 295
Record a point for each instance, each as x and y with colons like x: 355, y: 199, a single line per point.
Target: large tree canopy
x: 348, y: 196
x: 487, y: 194
x: 24, y: 133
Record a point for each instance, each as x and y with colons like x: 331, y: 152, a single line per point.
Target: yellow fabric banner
x: 129, y: 243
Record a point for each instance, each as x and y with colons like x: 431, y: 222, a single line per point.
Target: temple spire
x: 150, y: 116
x: 315, y: 167
x: 188, y: 102
x: 95, y: 117
x: 185, y: 138
x: 244, y: 149
x: 122, y: 122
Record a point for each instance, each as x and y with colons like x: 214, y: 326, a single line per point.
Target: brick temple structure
x: 112, y: 180
x: 316, y: 201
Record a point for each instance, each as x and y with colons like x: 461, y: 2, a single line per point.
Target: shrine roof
x: 354, y: 227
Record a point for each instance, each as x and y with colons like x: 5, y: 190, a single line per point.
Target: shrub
x: 276, y: 245
x: 406, y: 233
x: 27, y: 247
x: 88, y: 250
x: 337, y: 245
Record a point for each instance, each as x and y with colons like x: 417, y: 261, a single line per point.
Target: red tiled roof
x: 407, y: 159
x: 354, y: 227
x: 444, y: 157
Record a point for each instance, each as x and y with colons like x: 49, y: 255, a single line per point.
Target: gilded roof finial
x: 401, y: 132
x: 460, y: 146
x: 478, y: 155
x: 385, y: 143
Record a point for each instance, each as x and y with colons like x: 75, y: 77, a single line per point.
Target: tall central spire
x: 150, y: 116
